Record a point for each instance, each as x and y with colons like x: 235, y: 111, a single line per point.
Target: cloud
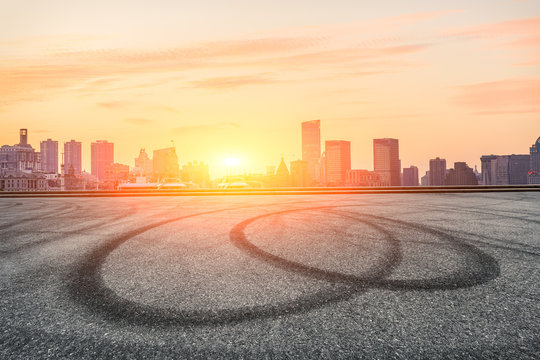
x: 113, y: 104
x: 501, y: 97
x: 226, y: 82
x: 138, y: 121
x: 526, y: 26
x: 205, y: 128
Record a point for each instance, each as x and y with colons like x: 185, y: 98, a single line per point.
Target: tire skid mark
x: 65, y: 209
x: 487, y: 267
x: 62, y: 235
x: 87, y: 287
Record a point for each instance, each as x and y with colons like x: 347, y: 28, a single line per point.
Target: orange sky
x: 454, y: 80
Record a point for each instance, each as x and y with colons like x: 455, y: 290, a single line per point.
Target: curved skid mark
x: 87, y: 287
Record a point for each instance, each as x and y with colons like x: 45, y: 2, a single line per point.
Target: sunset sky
x: 222, y: 79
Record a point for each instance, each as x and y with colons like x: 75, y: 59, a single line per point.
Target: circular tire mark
x: 88, y: 288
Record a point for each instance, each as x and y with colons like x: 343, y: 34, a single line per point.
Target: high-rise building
x: 21, y: 156
x: 386, y: 161
x: 311, y: 147
x: 518, y: 169
x: 49, y: 156
x: 410, y: 176
x: 102, y: 156
x: 424, y: 180
x: 165, y: 163
x: 461, y: 174
x: 505, y: 169
x: 337, y: 161
x: 486, y: 169
x: 143, y: 164
x: 534, y: 167
x: 73, y: 157
x: 300, y: 173
x: 437, y: 171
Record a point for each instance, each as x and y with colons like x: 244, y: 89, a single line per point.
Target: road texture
x: 289, y: 276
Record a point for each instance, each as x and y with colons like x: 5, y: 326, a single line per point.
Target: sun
x: 230, y: 161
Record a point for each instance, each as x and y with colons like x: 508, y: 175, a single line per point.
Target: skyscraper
x: 505, y: 169
x: 534, y: 167
x: 102, y: 154
x: 311, y: 147
x: 437, y: 171
x: 73, y: 156
x: 49, y: 156
x: 486, y: 169
x: 518, y: 169
x: 410, y: 176
x: 386, y: 161
x: 337, y: 161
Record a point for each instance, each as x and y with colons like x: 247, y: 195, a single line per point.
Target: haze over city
x: 456, y: 80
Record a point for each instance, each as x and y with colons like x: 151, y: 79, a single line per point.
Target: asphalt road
x: 326, y: 276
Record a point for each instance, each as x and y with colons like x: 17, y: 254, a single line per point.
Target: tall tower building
x: 410, y: 176
x: 386, y: 161
x: 23, y: 137
x: 534, y: 166
x: 337, y: 161
x: 73, y: 156
x: 437, y: 171
x: 49, y: 156
x: 102, y: 154
x: 311, y: 147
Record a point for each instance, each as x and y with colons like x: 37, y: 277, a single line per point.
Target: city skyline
x: 455, y: 81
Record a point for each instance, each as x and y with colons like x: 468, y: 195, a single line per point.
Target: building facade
x: 461, y: 174
x: 102, y: 156
x: 437, y: 171
x: 73, y: 156
x: 410, y: 176
x: 534, y: 167
x: 49, y: 156
x: 300, y: 176
x: 17, y: 180
x: 505, y: 169
x: 337, y: 162
x: 386, y: 161
x: 21, y: 156
x: 143, y: 164
x: 165, y: 164
x: 311, y: 147
x: 197, y: 173
x: 360, y: 177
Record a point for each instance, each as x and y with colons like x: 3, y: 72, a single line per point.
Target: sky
x: 217, y: 80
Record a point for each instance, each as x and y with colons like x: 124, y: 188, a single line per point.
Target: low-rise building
x: 17, y: 180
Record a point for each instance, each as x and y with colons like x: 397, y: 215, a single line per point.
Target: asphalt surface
x: 310, y: 276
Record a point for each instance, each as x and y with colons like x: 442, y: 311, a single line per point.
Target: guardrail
x: 275, y: 191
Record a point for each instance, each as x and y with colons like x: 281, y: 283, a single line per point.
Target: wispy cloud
x: 226, y: 82
x: 138, y: 121
x: 205, y: 128
x: 113, y: 104
x: 501, y: 97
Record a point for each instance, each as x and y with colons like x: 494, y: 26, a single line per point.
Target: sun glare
x: 232, y: 161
